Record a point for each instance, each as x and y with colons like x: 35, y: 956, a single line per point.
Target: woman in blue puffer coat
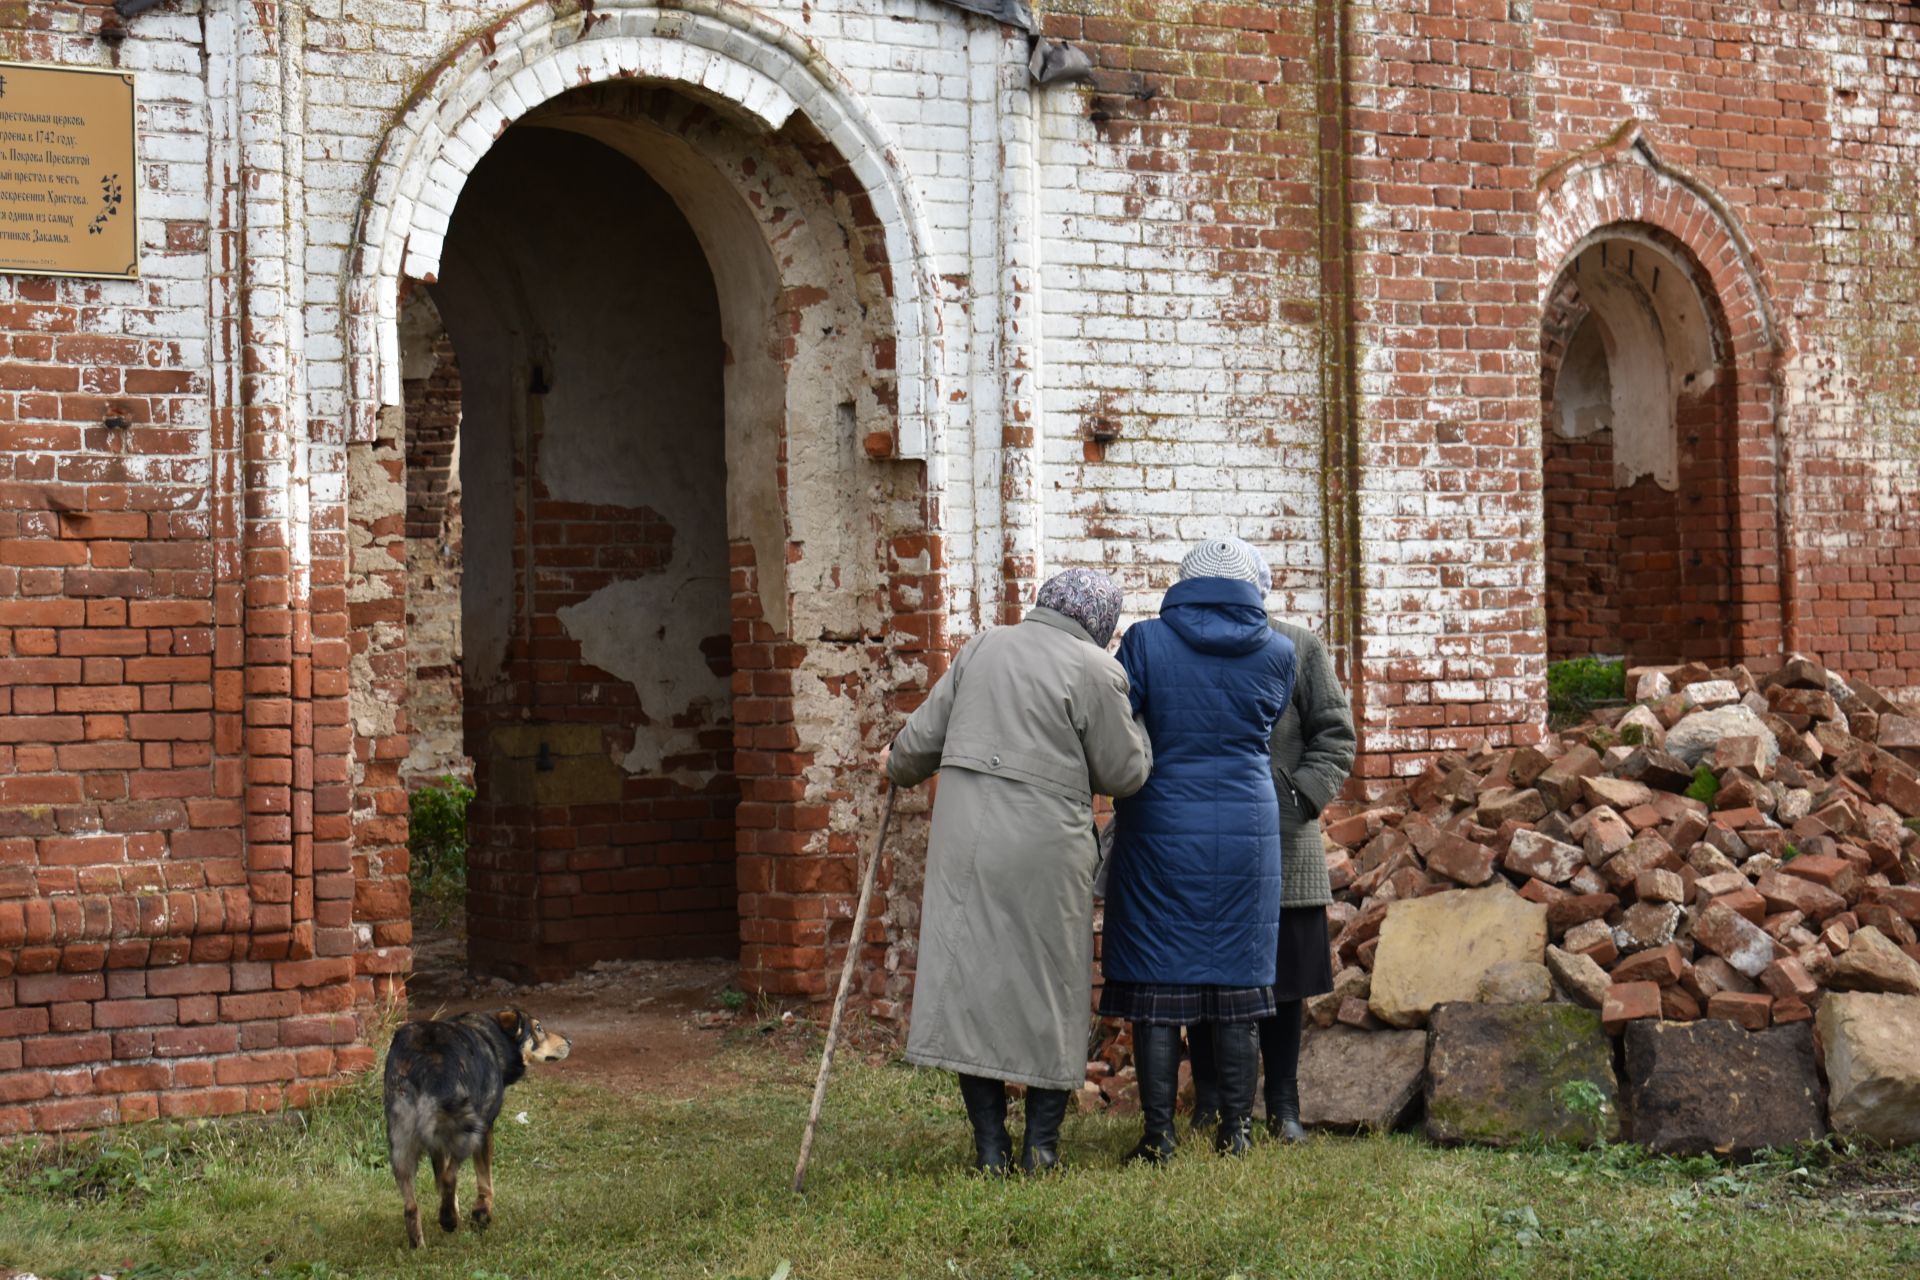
x: 1193, y: 895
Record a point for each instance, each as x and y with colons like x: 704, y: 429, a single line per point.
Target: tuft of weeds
x: 1578, y: 685
x: 437, y: 847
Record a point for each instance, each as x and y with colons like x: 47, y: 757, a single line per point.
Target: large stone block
x: 1695, y: 1087
x: 1872, y: 962
x: 1698, y: 734
x: 1872, y: 1043
x: 1437, y: 948
x: 1506, y: 1074
x: 1516, y: 982
x: 1360, y: 1080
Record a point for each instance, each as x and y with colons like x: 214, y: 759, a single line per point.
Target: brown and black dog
x: 445, y: 1081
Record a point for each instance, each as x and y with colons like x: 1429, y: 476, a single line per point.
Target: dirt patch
x: 1885, y: 1179
x: 654, y: 1026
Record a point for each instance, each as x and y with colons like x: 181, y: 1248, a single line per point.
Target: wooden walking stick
x: 846, y: 984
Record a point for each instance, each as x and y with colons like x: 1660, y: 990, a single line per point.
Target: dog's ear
x: 513, y: 1022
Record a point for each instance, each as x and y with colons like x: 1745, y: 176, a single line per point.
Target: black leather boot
x: 1040, y: 1147
x: 1280, y: 1050
x: 1156, y: 1060
x: 1206, y: 1089
x: 1236, y: 1048
x: 1283, y: 1112
x: 987, y: 1109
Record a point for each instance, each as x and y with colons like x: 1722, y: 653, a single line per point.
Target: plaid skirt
x: 1174, y: 1004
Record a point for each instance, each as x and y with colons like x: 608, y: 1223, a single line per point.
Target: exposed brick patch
x: 435, y: 542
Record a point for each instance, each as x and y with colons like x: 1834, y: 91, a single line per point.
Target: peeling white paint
x: 647, y: 631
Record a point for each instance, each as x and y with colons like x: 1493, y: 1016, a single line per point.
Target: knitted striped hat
x: 1223, y: 558
x: 1260, y: 562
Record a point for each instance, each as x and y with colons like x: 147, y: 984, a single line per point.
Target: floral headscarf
x: 1089, y: 597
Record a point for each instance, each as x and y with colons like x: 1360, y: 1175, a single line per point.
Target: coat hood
x: 1223, y: 616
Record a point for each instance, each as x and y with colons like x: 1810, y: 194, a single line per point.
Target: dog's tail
x: 408, y: 1125
x: 461, y: 1128
x: 418, y: 1120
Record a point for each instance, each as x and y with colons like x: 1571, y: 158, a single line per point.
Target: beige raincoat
x: 1030, y: 724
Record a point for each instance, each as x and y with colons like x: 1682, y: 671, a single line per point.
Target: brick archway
x: 735, y: 57
x: 1624, y: 182
x: 810, y: 677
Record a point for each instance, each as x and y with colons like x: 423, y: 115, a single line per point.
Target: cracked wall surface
x: 435, y: 527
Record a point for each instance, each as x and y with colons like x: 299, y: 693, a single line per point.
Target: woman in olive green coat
x: 1027, y: 727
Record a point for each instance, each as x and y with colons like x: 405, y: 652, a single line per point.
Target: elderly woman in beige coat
x: 1027, y: 727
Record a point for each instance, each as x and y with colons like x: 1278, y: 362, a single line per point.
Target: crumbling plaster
x: 799, y: 324
x: 613, y: 350
x: 1658, y: 343
x: 801, y: 316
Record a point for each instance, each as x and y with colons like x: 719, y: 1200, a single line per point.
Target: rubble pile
x: 1727, y: 848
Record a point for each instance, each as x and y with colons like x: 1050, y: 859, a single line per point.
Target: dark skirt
x: 1174, y: 1004
x: 1305, y: 959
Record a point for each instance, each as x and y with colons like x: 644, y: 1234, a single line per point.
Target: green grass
x: 1578, y: 685
x: 602, y: 1185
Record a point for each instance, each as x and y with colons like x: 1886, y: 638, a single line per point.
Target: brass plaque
x: 67, y: 172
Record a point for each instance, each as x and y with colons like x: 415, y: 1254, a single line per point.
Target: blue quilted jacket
x: 1193, y: 896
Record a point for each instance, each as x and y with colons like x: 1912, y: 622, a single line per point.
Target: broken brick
x: 1629, y: 1002
x: 1661, y: 965
x: 1753, y: 1012
x: 1786, y: 978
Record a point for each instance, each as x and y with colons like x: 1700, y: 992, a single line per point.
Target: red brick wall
x: 1213, y: 114
x: 646, y: 866
x: 1445, y: 315
x: 155, y: 957
x: 1813, y: 155
x: 1583, y: 563
x: 433, y: 426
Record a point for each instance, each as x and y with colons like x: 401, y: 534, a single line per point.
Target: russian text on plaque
x: 67, y: 175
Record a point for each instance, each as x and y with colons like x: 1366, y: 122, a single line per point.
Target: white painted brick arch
x: 1627, y: 180
x: 737, y: 58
